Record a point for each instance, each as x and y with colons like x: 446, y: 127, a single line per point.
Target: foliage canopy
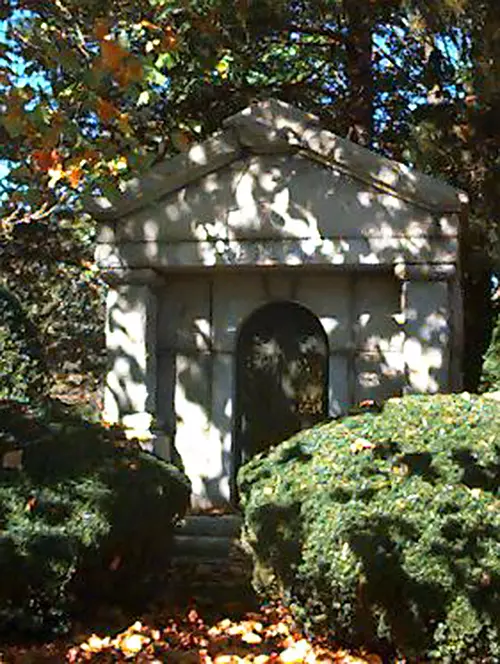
x: 91, y: 94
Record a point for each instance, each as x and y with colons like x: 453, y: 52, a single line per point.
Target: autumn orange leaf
x: 112, y: 54
x: 189, y: 639
x: 74, y: 175
x: 106, y: 110
x: 169, y: 40
x: 45, y: 160
x: 129, y: 72
x: 101, y: 28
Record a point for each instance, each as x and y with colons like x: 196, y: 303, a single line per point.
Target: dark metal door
x: 281, y: 377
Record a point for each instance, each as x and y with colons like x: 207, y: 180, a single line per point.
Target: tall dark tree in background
x: 110, y: 88
x: 359, y: 69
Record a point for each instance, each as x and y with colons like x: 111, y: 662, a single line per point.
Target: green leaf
x: 165, y: 60
x: 155, y: 77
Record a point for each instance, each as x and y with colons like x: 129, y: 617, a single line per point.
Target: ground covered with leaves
x: 268, y: 635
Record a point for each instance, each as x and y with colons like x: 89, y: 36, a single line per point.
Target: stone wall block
x: 427, y: 335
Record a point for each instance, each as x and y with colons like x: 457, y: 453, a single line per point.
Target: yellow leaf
x: 151, y: 26
x: 223, y: 68
x: 117, y: 165
x: 252, y: 638
x: 301, y: 651
x: 95, y: 644
x: 55, y: 175
x: 143, y: 98
x: 361, y: 444
x: 131, y: 644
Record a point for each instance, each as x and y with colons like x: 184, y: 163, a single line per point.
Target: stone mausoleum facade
x: 269, y: 278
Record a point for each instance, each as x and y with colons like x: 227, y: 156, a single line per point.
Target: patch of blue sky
x: 4, y: 169
x: 22, y: 76
x: 454, y: 49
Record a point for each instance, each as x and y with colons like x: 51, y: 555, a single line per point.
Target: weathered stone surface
x: 210, y: 563
x: 312, y: 251
x: 223, y: 525
x: 273, y: 209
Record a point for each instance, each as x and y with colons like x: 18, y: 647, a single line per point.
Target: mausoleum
x: 267, y: 279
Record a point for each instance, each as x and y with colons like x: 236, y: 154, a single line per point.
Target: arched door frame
x: 236, y: 450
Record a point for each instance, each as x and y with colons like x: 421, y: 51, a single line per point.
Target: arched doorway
x: 281, y: 377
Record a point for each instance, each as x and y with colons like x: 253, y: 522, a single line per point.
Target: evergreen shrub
x: 85, y: 517
x: 383, y: 530
x: 23, y: 371
x: 491, y: 365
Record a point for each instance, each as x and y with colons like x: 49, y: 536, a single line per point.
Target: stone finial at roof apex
x: 271, y: 122
x: 273, y: 126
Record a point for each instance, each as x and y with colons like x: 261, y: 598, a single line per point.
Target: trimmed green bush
x: 84, y: 517
x: 23, y: 371
x: 384, y: 530
x: 491, y: 366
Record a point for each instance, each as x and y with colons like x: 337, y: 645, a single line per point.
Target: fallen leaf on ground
x: 267, y: 637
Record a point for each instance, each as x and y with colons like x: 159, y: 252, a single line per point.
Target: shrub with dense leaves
x: 491, y: 365
x: 23, y: 371
x: 385, y: 529
x: 84, y: 516
x: 56, y: 303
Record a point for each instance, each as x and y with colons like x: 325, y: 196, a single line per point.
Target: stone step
x: 227, y: 525
x: 202, y: 546
x: 209, y: 558
x: 198, y: 571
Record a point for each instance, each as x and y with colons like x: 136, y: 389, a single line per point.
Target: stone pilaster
x: 130, y: 391
x: 427, y: 302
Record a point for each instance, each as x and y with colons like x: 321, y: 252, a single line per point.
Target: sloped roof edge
x: 272, y: 126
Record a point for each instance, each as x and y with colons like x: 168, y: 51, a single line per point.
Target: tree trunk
x: 483, y: 245
x: 359, y: 70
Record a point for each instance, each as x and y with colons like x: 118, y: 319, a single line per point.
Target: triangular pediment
x: 274, y: 127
